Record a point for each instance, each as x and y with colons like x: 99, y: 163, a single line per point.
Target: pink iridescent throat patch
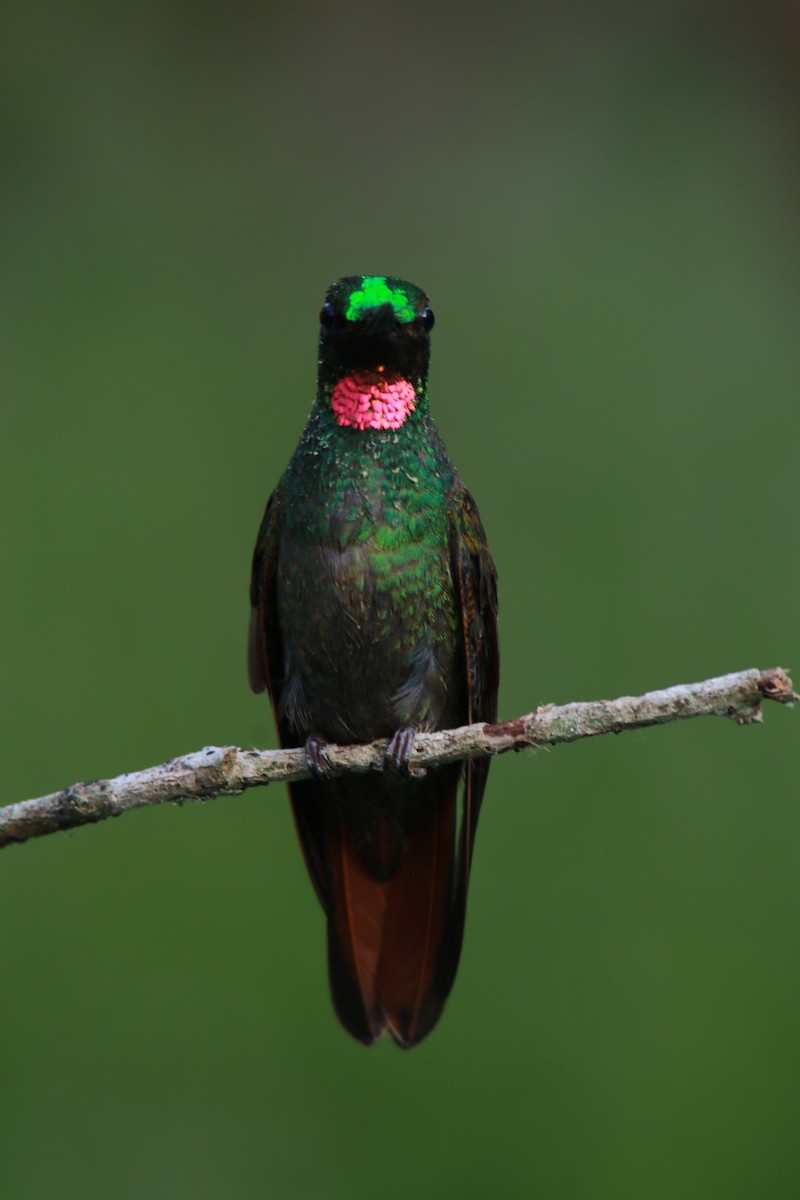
x: 373, y: 400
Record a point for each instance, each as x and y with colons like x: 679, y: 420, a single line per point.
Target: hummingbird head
x: 374, y: 345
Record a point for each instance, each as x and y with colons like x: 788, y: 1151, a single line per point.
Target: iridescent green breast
x: 364, y: 582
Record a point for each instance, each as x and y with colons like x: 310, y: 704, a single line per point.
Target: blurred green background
x: 602, y: 202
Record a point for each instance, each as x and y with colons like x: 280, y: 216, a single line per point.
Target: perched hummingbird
x: 374, y: 609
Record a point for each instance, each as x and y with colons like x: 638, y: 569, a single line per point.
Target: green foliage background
x: 602, y: 202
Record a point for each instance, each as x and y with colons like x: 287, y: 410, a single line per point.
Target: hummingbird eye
x: 426, y: 316
x: 327, y: 316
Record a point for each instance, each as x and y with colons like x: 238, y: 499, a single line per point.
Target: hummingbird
x: 374, y: 615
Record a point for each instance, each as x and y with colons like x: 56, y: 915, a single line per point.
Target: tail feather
x: 394, y: 900
x: 394, y: 890
x: 418, y: 928
x: 356, y: 918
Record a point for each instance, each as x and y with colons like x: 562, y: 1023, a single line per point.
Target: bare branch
x: 215, y: 771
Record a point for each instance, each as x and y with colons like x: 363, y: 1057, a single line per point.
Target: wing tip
x: 255, y: 665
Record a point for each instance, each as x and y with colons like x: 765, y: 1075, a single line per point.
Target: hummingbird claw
x: 398, y: 752
x: 317, y: 760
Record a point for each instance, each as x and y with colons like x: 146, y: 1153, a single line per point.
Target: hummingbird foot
x: 317, y: 760
x: 398, y: 753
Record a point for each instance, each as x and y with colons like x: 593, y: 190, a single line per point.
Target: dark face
x: 370, y: 321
